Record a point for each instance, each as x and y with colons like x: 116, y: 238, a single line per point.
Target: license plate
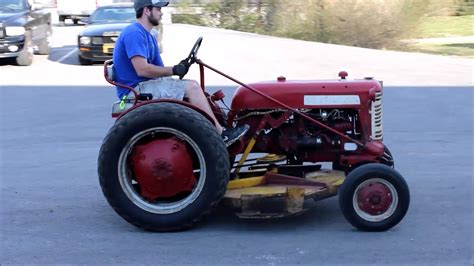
x: 108, y: 48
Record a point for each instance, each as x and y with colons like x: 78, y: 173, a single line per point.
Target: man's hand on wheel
x: 181, y: 69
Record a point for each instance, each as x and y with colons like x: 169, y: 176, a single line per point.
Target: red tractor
x: 162, y: 166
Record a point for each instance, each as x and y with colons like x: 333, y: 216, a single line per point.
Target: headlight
x: 15, y: 31
x: 85, y: 40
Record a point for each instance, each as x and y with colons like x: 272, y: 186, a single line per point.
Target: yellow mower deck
x: 275, y: 195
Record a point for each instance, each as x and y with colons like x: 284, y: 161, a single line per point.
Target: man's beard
x: 153, y: 20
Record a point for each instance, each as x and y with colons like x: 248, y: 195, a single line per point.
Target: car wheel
x: 163, y: 166
x: 44, y: 47
x: 62, y: 20
x: 25, y: 58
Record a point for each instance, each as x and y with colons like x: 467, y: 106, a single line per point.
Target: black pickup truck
x: 24, y: 28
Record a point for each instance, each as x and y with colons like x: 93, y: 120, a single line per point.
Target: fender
x: 189, y: 105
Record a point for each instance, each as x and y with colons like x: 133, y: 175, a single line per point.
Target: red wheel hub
x: 374, y: 198
x: 163, y: 168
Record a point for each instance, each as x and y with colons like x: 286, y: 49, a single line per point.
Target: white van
x: 77, y: 9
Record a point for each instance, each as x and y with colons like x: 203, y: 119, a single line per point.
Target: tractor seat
x: 119, y: 106
x: 110, y: 72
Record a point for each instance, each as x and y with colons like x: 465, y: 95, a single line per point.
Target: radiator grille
x: 104, y: 39
x: 376, y: 116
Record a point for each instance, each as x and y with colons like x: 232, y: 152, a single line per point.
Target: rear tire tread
x: 172, y: 111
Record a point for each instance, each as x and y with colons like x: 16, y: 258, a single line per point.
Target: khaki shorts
x: 164, y: 88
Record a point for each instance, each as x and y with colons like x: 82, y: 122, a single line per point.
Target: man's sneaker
x: 231, y: 135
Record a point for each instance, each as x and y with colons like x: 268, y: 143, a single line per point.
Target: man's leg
x: 197, y: 97
x: 177, y: 89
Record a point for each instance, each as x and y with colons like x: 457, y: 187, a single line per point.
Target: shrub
x: 364, y: 23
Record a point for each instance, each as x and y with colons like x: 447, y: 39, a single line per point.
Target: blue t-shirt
x: 134, y: 40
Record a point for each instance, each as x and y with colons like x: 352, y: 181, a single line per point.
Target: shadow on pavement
x: 64, y: 55
x: 68, y: 55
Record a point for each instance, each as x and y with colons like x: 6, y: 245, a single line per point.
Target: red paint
x: 299, y: 139
x: 281, y: 91
x: 163, y: 168
x: 374, y: 147
x: 218, y: 95
x: 292, y: 94
x: 343, y: 74
x: 287, y: 180
x: 187, y: 104
x: 106, y: 76
x: 374, y: 198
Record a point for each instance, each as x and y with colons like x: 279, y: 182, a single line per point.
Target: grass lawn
x: 433, y: 27
x: 440, y: 27
x: 458, y: 49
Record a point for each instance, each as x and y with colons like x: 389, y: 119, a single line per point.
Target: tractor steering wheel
x: 192, y: 57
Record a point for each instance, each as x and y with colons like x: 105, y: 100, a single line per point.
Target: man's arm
x: 146, y: 70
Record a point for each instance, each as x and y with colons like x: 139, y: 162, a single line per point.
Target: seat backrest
x: 110, y: 72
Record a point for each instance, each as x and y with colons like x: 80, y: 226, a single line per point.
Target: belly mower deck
x: 276, y: 194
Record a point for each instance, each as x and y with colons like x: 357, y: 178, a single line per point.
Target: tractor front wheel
x: 374, y: 197
x: 163, y: 166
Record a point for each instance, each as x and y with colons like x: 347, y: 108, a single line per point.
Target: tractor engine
x: 351, y: 108
x: 298, y: 135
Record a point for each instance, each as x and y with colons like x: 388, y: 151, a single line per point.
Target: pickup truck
x: 24, y: 27
x: 77, y: 9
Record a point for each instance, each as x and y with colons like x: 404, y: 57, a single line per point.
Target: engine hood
x: 307, y: 94
x: 100, y: 29
x: 13, y: 19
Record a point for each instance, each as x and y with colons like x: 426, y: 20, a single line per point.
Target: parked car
x: 97, y: 41
x: 24, y: 27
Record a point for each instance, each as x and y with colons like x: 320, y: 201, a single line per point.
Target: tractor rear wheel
x: 163, y: 166
x: 374, y: 197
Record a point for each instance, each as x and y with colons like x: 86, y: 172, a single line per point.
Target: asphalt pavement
x: 52, y: 210
x: 251, y: 57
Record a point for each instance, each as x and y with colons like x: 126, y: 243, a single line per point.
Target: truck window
x: 12, y: 5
